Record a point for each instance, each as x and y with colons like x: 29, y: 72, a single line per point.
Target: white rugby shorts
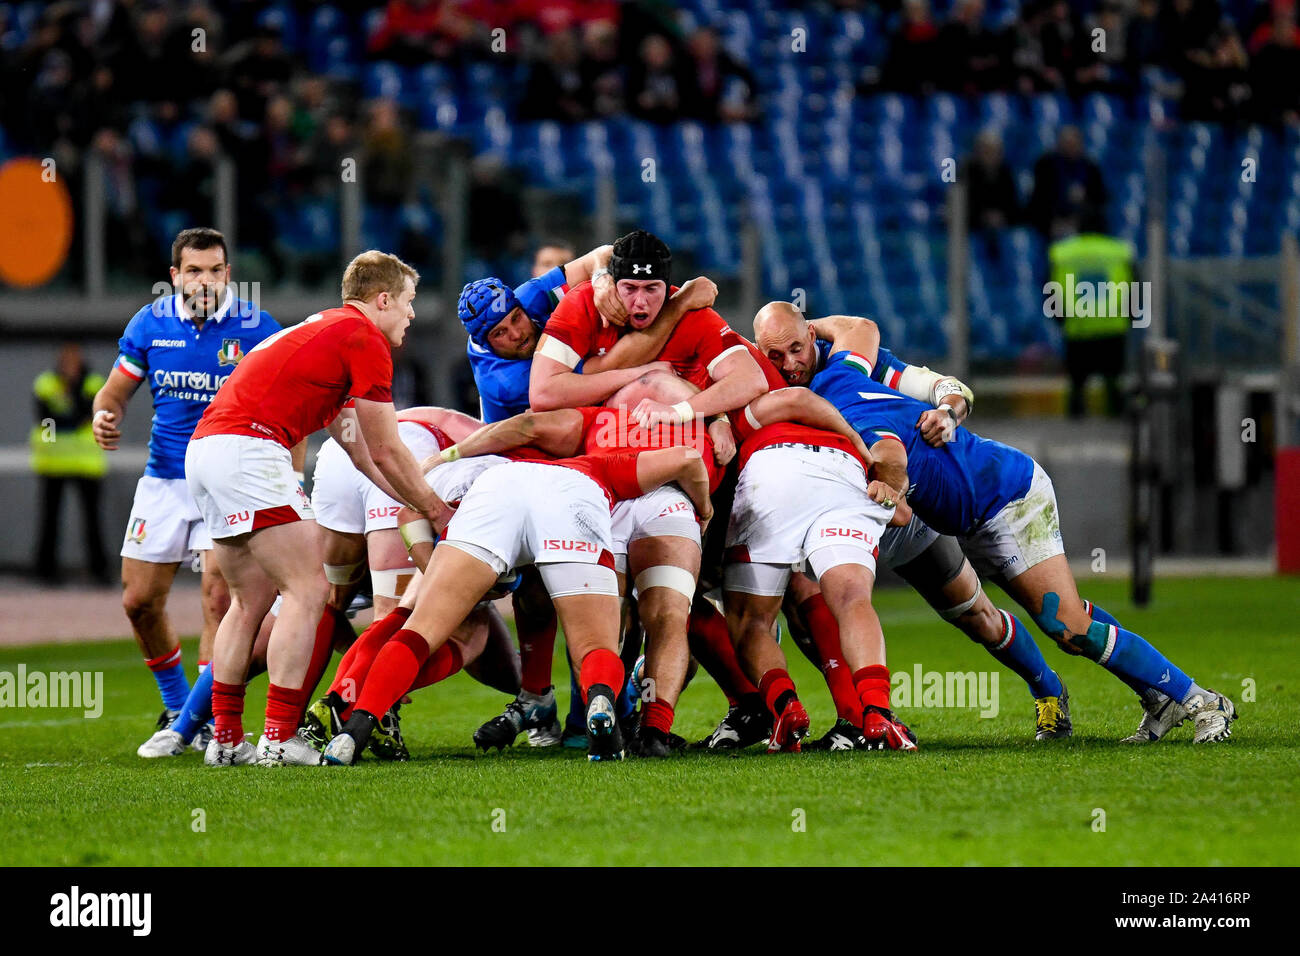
x: 243, y: 484
x: 347, y: 501
x: 666, y: 511
x: 165, y: 525
x: 1024, y: 533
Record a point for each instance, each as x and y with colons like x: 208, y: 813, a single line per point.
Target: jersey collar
x: 178, y: 306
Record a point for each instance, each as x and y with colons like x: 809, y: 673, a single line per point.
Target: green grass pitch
x: 979, y: 791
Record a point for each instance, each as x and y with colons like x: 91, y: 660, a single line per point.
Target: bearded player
x: 185, y: 345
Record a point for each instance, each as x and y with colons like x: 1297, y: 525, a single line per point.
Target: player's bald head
x: 785, y: 337
x: 778, y: 321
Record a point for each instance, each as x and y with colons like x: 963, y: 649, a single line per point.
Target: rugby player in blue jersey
x: 504, y: 326
x: 1000, y: 505
x: 184, y: 345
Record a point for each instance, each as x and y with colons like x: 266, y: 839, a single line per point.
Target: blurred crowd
x: 1228, y: 69
x: 159, y: 90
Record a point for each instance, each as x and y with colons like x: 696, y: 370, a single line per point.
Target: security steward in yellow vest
x: 1094, y: 330
x: 63, y: 452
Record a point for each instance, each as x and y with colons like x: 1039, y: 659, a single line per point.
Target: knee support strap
x: 416, y: 532
x: 957, y: 610
x: 387, y: 582
x: 344, y: 575
x: 667, y: 576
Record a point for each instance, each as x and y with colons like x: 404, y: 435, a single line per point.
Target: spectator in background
x: 552, y: 254
x: 1216, y: 86
x: 1143, y: 42
x: 1105, y: 70
x: 992, y: 202
x: 910, y: 65
x: 716, y: 87
x: 498, y: 230
x: 1187, y: 26
x: 1068, y: 188
x: 387, y: 169
x: 335, y: 142
x: 63, y: 452
x: 969, y: 56
x: 554, y: 88
x: 603, y: 82
x: 125, y: 241
x: 257, y: 69
x: 654, y: 87
x: 1063, y: 45
x: 191, y: 188
x: 413, y: 32
x: 1275, y: 70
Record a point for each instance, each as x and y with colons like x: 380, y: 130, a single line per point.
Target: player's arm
x: 298, y: 455
x: 110, y: 408
x: 682, y: 464
x: 889, y: 462
x: 557, y: 433
x: 850, y: 333
x: 890, y: 497
x: 554, y: 384
x: 637, y: 347
x: 737, y: 380
x: 584, y: 267
x: 455, y: 425
x: 804, y: 407
x: 378, y: 421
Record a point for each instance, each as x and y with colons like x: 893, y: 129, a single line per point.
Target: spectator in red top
x: 909, y: 67
x: 1275, y: 68
x: 414, y: 31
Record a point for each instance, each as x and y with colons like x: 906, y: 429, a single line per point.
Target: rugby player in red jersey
x: 558, y: 517
x: 238, y: 468
x: 804, y: 502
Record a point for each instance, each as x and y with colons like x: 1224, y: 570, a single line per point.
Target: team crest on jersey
x: 136, y: 531
x: 231, y: 352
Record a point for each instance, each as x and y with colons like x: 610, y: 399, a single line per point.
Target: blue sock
x: 1020, y: 653
x: 197, y: 709
x: 577, y: 719
x: 1105, y: 617
x: 169, y: 672
x: 1140, y: 665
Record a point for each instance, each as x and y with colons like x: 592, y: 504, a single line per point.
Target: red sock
x: 441, y: 664
x: 774, y: 685
x: 826, y: 635
x: 332, y: 623
x: 394, y: 670
x: 600, y: 667
x: 873, y: 686
x: 227, y: 712
x: 361, y: 655
x: 710, y: 643
x: 659, y: 715
x: 536, y: 651
x: 283, y: 710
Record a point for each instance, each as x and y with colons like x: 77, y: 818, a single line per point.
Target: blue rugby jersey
x: 888, y: 369
x: 185, y: 366
x: 503, y: 383
x: 954, y: 488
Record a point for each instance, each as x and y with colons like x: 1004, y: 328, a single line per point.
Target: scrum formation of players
x: 643, y: 476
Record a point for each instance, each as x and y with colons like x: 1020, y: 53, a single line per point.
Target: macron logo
x: 636, y: 270
x: 75, y: 909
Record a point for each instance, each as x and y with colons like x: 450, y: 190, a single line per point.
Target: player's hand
x: 104, y: 427
x: 887, y: 497
x: 724, y: 442
x: 649, y: 413
x: 698, y: 293
x: 430, y: 463
x: 937, y: 426
x: 608, y: 304
x: 439, y: 516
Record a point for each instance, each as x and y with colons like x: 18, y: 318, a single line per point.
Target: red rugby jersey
x: 611, y: 430
x: 700, y: 340
x: 752, y: 438
x: 295, y: 382
x: 615, y: 473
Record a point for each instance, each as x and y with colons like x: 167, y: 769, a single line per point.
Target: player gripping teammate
x: 504, y: 326
x: 1000, y: 505
x: 185, y: 345
x: 238, y: 469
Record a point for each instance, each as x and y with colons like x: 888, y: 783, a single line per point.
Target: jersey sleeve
x: 571, y: 330
x: 619, y: 473
x: 889, y: 368
x: 133, y: 348
x: 370, y: 367
x: 540, y: 296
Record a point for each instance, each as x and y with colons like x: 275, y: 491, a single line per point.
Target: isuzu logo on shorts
x: 855, y: 533
x: 558, y: 544
x: 389, y: 512
x: 237, y: 517
x: 674, y: 508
